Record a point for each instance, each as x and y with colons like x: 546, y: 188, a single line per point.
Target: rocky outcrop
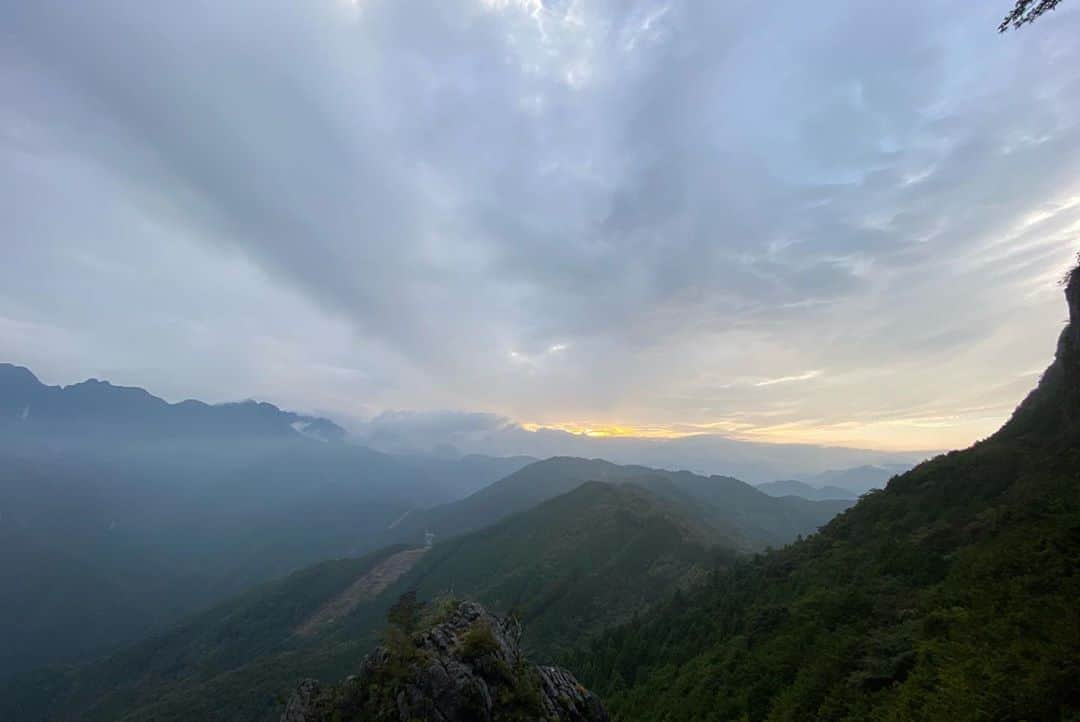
x: 1053, y: 408
x: 465, y: 666
x: 302, y: 705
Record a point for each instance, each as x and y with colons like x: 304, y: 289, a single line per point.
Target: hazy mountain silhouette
x: 791, y: 487
x: 758, y: 520
x: 93, y: 409
x: 121, y: 512
x: 570, y: 567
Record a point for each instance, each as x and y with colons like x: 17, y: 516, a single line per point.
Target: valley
x: 661, y: 589
x: 540, y: 361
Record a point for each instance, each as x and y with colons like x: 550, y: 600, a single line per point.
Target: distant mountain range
x: 839, y: 484
x: 121, y: 512
x: 791, y: 487
x: 751, y: 519
x: 705, y: 454
x: 949, y: 593
x: 573, y: 546
x: 859, y: 479
x: 93, y: 409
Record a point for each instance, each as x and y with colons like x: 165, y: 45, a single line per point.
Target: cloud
x: 789, y: 379
x: 454, y: 433
x: 550, y: 211
x: 417, y: 431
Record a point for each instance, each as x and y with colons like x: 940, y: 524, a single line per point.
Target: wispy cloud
x: 790, y: 379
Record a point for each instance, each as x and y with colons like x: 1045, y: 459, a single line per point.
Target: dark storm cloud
x: 552, y: 211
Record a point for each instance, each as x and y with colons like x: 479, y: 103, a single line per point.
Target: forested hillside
x: 571, y: 567
x: 952, y: 594
x: 754, y: 520
x: 238, y: 656
x: 121, y: 513
x: 577, y: 563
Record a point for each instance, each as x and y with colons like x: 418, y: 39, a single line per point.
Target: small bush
x: 438, y: 611
x: 478, y: 642
x: 406, y: 612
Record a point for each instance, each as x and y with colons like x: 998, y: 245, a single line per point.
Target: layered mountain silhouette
x: 94, y: 409
x: 121, y: 512
x: 751, y: 519
x: 568, y: 567
x: 951, y: 593
x: 858, y: 479
x: 792, y: 487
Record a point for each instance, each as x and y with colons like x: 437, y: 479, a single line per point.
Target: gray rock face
x: 302, y: 704
x: 466, y: 667
x: 563, y: 697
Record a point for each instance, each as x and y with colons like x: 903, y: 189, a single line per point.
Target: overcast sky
x: 836, y: 222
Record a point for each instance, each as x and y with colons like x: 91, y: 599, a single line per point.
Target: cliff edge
x: 466, y: 665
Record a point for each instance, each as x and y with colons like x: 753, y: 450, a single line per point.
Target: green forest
x: 951, y: 594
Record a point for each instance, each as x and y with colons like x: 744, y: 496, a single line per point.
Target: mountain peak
x: 17, y: 381
x: 95, y: 407
x: 20, y: 373
x: 18, y: 389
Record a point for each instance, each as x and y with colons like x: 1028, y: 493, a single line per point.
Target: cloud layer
x: 836, y: 224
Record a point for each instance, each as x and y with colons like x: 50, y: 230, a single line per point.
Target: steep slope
x: 571, y: 567
x: 952, y: 594
x: 755, y: 519
x: 259, y: 625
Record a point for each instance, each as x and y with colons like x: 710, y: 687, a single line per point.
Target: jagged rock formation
x: 466, y: 666
x: 1053, y: 407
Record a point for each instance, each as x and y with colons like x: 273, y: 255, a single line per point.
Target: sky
x: 829, y: 223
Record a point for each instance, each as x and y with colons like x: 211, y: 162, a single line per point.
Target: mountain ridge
x: 762, y: 520
x: 174, y: 507
x: 793, y: 487
x: 94, y: 407
x: 950, y: 594
x: 619, y: 550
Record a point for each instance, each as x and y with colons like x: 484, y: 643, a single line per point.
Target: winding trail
x: 367, y: 587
